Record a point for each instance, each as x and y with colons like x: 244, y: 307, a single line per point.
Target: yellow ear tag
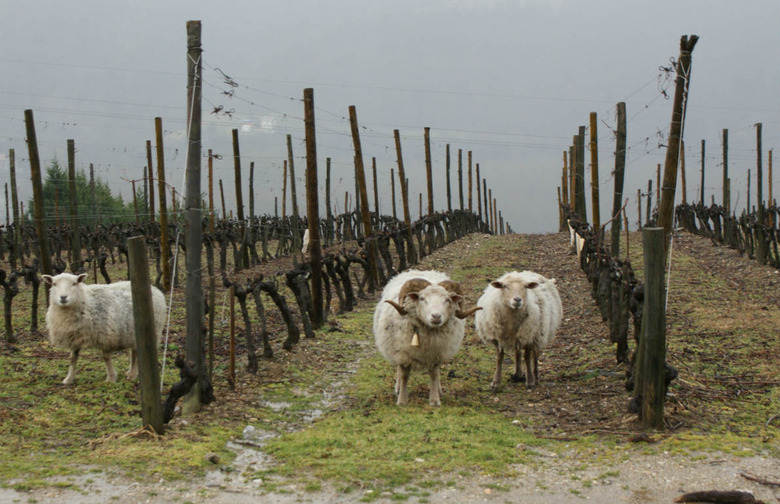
x: 416, y: 339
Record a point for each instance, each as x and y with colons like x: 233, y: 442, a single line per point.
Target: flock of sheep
x: 419, y: 322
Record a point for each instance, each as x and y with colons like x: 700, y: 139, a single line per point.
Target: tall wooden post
x: 580, y: 207
x: 145, y: 337
x: 135, y: 203
x: 251, y: 190
x: 761, y: 251
x: 770, y: 199
x: 376, y: 189
x: 161, y: 191
x: 429, y: 169
x: 594, y: 172
x: 150, y: 175
x: 479, y: 196
x: 370, y: 240
x: 701, y: 196
x: 460, y: 177
x: 284, y: 190
x: 620, y: 170
x: 392, y: 191
x: 243, y: 259
x: 412, y: 255
x: 649, y: 201
x: 294, y: 195
x: 565, y: 181
x: 313, y: 210
x: 74, y: 207
x: 37, y: 185
x: 669, y: 183
x: 193, y: 231
x: 471, y: 206
x: 17, y: 225
x: 210, y: 260
x: 485, y: 201
x: 449, y: 188
x: 572, y: 175
x: 726, y: 195
x: 653, y: 339
x: 328, y: 211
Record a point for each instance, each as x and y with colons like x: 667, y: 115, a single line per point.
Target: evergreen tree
x: 109, y: 209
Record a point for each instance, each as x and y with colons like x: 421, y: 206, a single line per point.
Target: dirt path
x: 562, y: 407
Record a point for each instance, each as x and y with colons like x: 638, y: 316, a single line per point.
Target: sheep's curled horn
x: 415, y: 285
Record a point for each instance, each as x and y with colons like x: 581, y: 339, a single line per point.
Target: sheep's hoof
x: 495, y: 385
x: 435, y: 404
x: 111, y: 379
x: 67, y: 381
x: 518, y: 378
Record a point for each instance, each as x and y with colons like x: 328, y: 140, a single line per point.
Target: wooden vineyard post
x: 485, y: 203
x: 726, y: 193
x: 770, y: 198
x: 373, y: 278
x: 392, y: 192
x: 669, y: 183
x: 471, y: 207
x: 284, y: 190
x: 328, y: 211
x: 376, y: 189
x: 428, y: 169
x: 649, y: 201
x: 701, y: 196
x: 565, y: 182
x: 193, y: 231
x: 620, y: 170
x: 653, y: 339
x: 146, y: 339
x: 212, y: 276
x: 761, y: 251
x: 243, y: 257
x: 74, y: 208
x: 296, y: 231
x: 17, y: 224
x: 412, y: 255
x: 38, y: 212
x: 150, y: 175
x: 312, y: 209
x: 165, y: 245
x: 460, y: 177
x: 449, y: 185
x: 594, y: 172
x: 479, y: 197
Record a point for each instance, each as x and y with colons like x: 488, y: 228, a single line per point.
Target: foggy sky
x: 510, y: 81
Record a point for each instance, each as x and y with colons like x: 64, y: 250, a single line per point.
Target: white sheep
x: 418, y: 323
x: 96, y: 316
x: 521, y: 313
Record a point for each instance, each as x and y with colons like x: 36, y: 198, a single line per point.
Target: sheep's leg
x: 110, y: 371
x: 536, y: 366
x: 499, y: 358
x: 434, y: 397
x: 518, y: 376
x: 402, y: 381
x: 530, y: 380
x: 132, y: 372
x: 74, y: 357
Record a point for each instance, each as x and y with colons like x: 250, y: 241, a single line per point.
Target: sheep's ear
x: 497, y: 284
x: 48, y: 279
x: 81, y: 277
x: 531, y: 285
x: 415, y: 296
x: 456, y: 298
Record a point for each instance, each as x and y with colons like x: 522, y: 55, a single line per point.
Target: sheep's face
x: 65, y: 289
x: 434, y: 305
x: 513, y: 292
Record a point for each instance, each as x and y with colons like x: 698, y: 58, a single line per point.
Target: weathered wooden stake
x: 243, y: 259
x: 161, y: 191
x: 449, y: 188
x: 412, y: 255
x: 38, y: 212
x: 726, y: 195
x: 653, y: 339
x: 17, y: 225
x: 594, y: 172
x: 313, y: 210
x: 251, y: 190
x: 669, y: 182
x: 193, y: 230
x: 145, y: 337
x: 701, y: 196
x: 471, y: 207
x: 328, y: 211
x: 429, y: 169
x: 150, y: 175
x: 761, y: 249
x: 284, y: 190
x: 479, y: 196
x: 620, y: 170
x: 460, y: 177
x: 376, y: 189
x: 74, y: 207
x: 373, y: 279
x: 392, y: 191
x: 294, y: 195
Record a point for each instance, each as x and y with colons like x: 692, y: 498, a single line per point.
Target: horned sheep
x: 418, y: 323
x: 521, y: 313
x: 96, y: 316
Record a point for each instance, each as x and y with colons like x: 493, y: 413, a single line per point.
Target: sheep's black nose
x: 63, y: 298
x: 436, y: 318
x: 518, y: 301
